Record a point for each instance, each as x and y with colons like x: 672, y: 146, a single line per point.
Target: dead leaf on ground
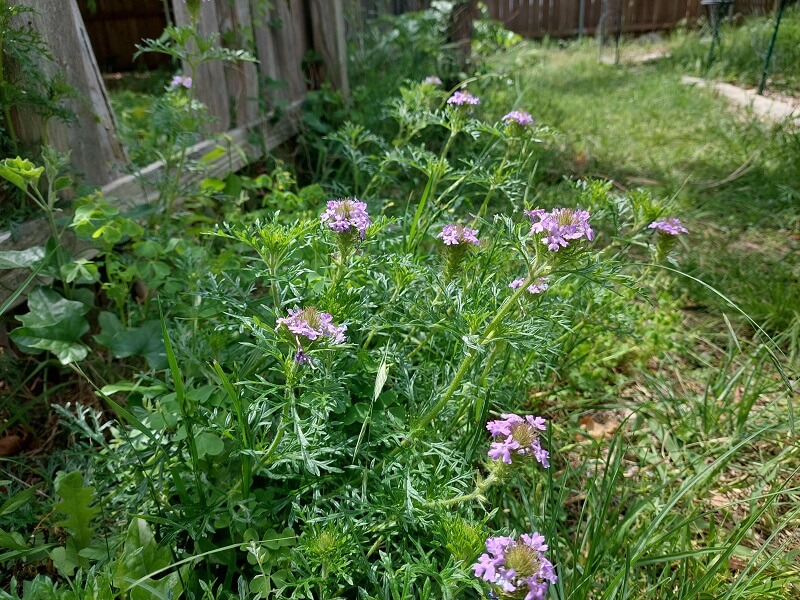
x: 11, y: 445
x: 596, y: 430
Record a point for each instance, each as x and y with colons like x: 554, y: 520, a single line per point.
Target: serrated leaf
x: 53, y: 323
x: 76, y: 505
x: 21, y: 259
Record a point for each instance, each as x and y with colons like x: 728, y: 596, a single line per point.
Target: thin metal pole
x: 581, y: 18
x: 771, y: 48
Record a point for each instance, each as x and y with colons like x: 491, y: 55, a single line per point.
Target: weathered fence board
x: 209, y: 78
x: 329, y: 40
x: 96, y: 151
x: 561, y: 18
x: 241, y: 79
x: 237, y: 95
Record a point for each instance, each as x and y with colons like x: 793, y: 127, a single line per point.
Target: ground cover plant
x: 440, y: 370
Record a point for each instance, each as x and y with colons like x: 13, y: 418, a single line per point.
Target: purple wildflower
x: 452, y: 235
x: 460, y: 98
x: 181, y: 80
x: 560, y: 226
x: 671, y: 226
x: 519, y: 436
x: 312, y: 325
x: 520, y: 117
x: 537, y: 287
x: 347, y: 216
x: 517, y: 566
x: 301, y: 358
x: 432, y: 80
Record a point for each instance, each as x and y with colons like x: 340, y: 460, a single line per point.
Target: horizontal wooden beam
x: 141, y: 188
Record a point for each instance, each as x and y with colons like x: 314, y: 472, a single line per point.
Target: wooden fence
x: 565, y: 18
x: 239, y: 97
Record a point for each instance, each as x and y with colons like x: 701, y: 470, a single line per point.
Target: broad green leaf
x: 12, y: 540
x: 140, y: 557
x: 66, y: 559
x: 21, y: 259
x: 357, y: 413
x: 208, y: 443
x: 217, y: 152
x: 53, y: 323
x: 79, y: 271
x: 19, y: 499
x: 75, y: 504
x: 146, y: 340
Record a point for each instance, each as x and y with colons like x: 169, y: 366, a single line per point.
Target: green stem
x: 474, y: 494
x: 463, y: 369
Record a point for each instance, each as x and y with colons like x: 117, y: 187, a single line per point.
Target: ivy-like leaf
x: 146, y: 340
x: 21, y: 259
x: 53, y: 323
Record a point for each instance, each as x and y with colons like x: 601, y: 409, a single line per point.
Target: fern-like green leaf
x: 76, y: 505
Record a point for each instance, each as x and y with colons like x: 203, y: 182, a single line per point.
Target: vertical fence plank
x: 328, y: 37
x: 241, y: 79
x: 96, y: 151
x: 209, y: 75
x: 558, y: 18
x: 291, y: 43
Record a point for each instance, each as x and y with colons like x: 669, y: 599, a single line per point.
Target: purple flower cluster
x: 460, y: 98
x: 560, y: 226
x: 312, y: 325
x: 517, y: 566
x: 181, y: 80
x: 453, y: 235
x: 432, y: 80
x: 671, y: 226
x: 518, y: 436
x: 537, y: 287
x: 347, y: 216
x: 520, y: 117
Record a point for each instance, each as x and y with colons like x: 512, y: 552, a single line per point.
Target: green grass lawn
x: 736, y: 184
x: 736, y: 180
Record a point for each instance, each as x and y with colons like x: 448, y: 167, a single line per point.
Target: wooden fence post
x: 328, y: 38
x: 210, y: 74
x: 241, y: 78
x: 96, y: 151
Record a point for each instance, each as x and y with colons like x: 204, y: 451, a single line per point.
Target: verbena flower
x: 432, y: 80
x: 312, y: 325
x: 520, y: 117
x: 301, y: 358
x: 347, y: 216
x: 516, y: 567
x: 537, y: 287
x: 460, y: 98
x: 560, y: 226
x: 671, y: 226
x: 517, y: 436
x: 458, y: 234
x: 458, y: 241
x: 181, y: 80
